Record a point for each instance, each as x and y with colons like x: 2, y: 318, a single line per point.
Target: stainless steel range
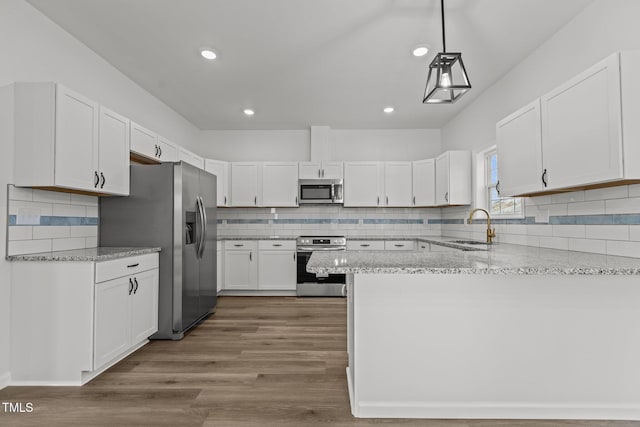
x: 319, y: 285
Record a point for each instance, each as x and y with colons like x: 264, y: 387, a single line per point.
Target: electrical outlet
x: 542, y: 216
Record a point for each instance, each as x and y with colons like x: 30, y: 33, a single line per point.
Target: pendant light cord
x: 444, y: 45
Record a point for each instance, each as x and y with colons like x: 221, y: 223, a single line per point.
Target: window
x: 497, y: 205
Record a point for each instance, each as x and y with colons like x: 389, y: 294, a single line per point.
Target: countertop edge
x: 56, y: 256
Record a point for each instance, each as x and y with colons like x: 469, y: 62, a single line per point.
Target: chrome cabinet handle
x: 130, y: 286
x: 544, y: 177
x: 95, y: 184
x: 136, y: 289
x: 103, y: 180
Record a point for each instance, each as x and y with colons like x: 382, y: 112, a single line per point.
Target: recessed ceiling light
x: 420, y: 50
x: 249, y: 112
x: 388, y: 110
x: 208, y: 53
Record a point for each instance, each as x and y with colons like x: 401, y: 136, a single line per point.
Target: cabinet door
x: 581, y: 128
x: 277, y: 270
x: 219, y: 269
x: 111, y: 320
x: 191, y: 158
x: 76, y: 152
x: 424, y: 183
x: 442, y: 179
x: 113, y: 153
x: 362, y: 183
x: 280, y: 184
x: 332, y: 170
x: 519, y: 143
x: 144, y: 142
x: 144, y: 306
x: 167, y: 151
x: 240, y: 270
x: 310, y: 170
x: 397, y: 184
x: 244, y: 184
x: 221, y: 171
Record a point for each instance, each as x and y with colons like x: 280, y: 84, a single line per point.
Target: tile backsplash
x: 41, y: 221
x: 329, y: 220
x: 604, y: 221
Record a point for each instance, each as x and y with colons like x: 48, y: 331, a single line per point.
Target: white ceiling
x: 306, y: 62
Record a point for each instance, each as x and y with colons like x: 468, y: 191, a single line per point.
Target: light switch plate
x: 542, y: 216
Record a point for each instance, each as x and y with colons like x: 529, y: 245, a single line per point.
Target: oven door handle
x: 318, y: 249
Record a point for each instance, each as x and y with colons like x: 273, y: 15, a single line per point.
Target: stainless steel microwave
x: 320, y: 191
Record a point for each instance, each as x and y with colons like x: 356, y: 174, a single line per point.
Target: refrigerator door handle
x: 203, y: 233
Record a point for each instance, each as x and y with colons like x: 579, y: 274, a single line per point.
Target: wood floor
x: 256, y: 362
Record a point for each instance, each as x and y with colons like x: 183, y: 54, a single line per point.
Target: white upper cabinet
x: 363, y: 183
x: 76, y: 147
x: 221, y: 170
x: 581, y: 128
x: 320, y: 170
x: 245, y: 189
x: 64, y: 140
x: 582, y: 134
x: 453, y: 178
x: 113, y: 152
x: 398, y: 188
x: 193, y: 159
x: 519, y: 143
x: 167, y: 151
x: 424, y: 183
x: 280, y: 184
x: 148, y: 147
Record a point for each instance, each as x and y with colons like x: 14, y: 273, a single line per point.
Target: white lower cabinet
x: 240, y: 265
x: 277, y: 265
x: 75, y: 319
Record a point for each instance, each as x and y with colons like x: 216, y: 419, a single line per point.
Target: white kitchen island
x: 513, y: 332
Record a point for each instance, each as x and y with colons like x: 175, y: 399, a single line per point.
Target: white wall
x: 602, y: 28
x: 259, y: 145
x: 294, y: 145
x: 33, y: 48
x: 384, y: 144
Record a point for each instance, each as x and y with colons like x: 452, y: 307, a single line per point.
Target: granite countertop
x: 91, y: 254
x: 498, y: 259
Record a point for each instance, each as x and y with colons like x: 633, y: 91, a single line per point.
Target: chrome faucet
x: 490, y: 233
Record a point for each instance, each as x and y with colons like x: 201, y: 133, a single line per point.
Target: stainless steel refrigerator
x: 172, y: 206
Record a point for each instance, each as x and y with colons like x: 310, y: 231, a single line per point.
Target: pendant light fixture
x: 447, y: 79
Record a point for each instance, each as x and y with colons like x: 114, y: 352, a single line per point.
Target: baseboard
x: 352, y: 398
x: 256, y: 293
x: 88, y: 376
x: 498, y: 410
x: 5, y: 380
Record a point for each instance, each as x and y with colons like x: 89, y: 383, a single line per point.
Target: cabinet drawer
x: 120, y: 267
x: 365, y: 245
x: 281, y: 245
x: 398, y: 245
x: 240, y: 245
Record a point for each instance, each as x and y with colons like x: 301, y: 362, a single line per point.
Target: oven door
x: 305, y: 277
